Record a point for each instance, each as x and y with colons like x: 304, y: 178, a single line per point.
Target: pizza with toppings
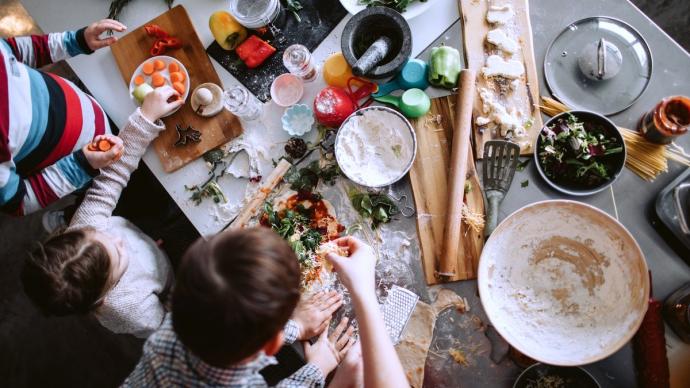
x: 308, y: 223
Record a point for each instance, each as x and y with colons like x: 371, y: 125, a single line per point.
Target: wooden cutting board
x: 526, y: 97
x: 428, y: 176
x: 133, y: 49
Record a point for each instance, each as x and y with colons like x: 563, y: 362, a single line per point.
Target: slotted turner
x: 500, y: 162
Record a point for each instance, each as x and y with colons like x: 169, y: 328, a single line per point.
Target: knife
x: 451, y: 37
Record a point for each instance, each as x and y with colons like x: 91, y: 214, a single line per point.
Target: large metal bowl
x: 609, y: 127
x: 398, y: 116
x: 563, y: 282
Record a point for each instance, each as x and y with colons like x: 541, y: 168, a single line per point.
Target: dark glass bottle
x: 669, y: 118
x: 677, y: 312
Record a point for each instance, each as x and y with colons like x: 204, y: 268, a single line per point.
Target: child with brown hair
x: 103, y: 264
x: 231, y: 308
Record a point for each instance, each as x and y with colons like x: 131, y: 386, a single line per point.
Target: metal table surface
x: 634, y: 197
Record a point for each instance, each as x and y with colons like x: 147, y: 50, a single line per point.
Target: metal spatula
x: 500, y: 162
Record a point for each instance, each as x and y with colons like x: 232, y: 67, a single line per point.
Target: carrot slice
x: 158, y: 64
x: 173, y: 67
x: 157, y: 80
x: 148, y: 68
x: 91, y: 147
x: 179, y: 87
x: 138, y: 80
x: 104, y: 145
x: 177, y: 76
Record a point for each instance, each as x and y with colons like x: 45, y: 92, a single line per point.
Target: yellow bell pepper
x: 226, y: 30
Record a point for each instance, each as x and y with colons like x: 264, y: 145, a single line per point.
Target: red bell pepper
x: 163, y: 40
x: 254, y: 51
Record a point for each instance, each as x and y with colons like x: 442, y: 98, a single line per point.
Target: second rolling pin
x: 462, y: 128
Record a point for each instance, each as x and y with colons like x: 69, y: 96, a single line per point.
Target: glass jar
x: 242, y: 104
x: 255, y: 14
x: 298, y: 60
x: 669, y: 119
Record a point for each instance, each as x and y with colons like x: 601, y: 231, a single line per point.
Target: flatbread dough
x: 415, y: 341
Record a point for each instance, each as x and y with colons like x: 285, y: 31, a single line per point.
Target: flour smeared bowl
x: 563, y: 282
x: 375, y: 146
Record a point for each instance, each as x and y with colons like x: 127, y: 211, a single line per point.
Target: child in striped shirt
x: 46, y: 122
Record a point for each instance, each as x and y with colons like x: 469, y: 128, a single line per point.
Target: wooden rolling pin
x: 462, y: 128
x: 271, y: 182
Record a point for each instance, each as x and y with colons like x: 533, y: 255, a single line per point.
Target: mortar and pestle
x: 376, y: 42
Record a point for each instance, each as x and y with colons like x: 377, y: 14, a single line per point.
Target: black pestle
x: 373, y: 56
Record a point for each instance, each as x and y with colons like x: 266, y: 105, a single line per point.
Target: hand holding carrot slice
x: 103, y: 151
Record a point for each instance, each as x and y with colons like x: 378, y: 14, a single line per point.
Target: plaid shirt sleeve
x: 291, y: 332
x: 309, y: 376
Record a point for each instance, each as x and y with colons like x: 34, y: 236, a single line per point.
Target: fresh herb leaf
x: 398, y: 5
x: 377, y: 206
x: 295, y: 6
x: 524, y: 183
x: 521, y: 165
x: 305, y: 179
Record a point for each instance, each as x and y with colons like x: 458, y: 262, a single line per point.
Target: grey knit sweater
x: 133, y: 305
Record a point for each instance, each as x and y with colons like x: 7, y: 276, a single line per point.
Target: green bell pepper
x: 444, y: 67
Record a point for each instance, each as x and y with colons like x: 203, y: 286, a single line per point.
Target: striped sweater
x: 45, y: 121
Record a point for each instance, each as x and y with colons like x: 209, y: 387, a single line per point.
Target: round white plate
x: 413, y: 10
x: 563, y: 282
x: 165, y: 72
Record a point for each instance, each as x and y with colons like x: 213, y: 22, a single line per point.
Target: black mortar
x: 363, y: 29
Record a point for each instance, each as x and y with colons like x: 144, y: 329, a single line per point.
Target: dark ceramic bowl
x: 568, y: 377
x: 366, y: 27
x: 616, y: 161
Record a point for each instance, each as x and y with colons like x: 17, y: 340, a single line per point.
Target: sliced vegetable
x: 177, y: 76
x: 173, y: 67
x: 254, y: 51
x: 138, y: 80
x: 155, y: 31
x: 141, y: 91
x: 179, y: 87
x: 102, y: 145
x: 158, y: 64
x: 227, y: 32
x: 444, y: 67
x: 148, y: 68
x: 157, y: 80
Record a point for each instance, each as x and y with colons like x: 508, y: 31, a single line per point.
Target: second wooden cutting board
x: 133, y: 49
x: 429, y: 180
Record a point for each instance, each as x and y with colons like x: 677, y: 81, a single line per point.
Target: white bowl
x: 563, y: 282
x: 408, y: 132
x: 165, y: 72
x: 413, y: 10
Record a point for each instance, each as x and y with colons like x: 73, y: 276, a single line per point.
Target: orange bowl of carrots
x: 161, y: 71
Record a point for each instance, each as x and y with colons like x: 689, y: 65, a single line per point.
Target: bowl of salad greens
x: 579, y: 153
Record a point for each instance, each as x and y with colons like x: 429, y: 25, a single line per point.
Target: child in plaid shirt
x: 231, y: 309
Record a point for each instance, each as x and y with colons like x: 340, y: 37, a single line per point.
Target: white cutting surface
x: 100, y: 74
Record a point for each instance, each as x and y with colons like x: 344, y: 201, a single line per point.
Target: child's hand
x: 350, y: 372
x: 92, y: 33
x: 357, y: 270
x: 327, y: 352
x: 312, y: 316
x: 156, y: 104
x: 98, y: 158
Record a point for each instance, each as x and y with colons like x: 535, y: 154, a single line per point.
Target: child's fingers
x: 339, y: 330
x: 330, y: 300
x: 317, y: 298
x: 324, y: 335
x: 343, y: 352
x: 322, y: 327
x: 330, y: 310
x: 345, y: 338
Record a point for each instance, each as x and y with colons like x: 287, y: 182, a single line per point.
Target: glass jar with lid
x: 255, y: 14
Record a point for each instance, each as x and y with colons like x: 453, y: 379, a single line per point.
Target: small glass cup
x: 241, y: 103
x: 298, y: 60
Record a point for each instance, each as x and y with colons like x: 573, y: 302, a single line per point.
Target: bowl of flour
x: 563, y: 282
x: 375, y: 146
